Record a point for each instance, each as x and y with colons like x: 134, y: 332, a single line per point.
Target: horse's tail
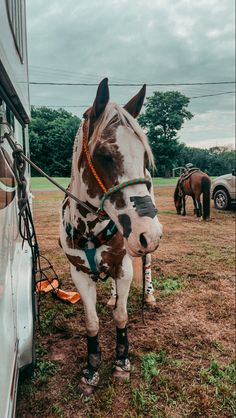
x: 206, y: 186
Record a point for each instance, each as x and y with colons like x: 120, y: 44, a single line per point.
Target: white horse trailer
x: 16, y: 285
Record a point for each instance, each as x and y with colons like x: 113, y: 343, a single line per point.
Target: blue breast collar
x: 102, y: 238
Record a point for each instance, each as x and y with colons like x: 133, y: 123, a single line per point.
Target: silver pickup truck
x: 223, y: 191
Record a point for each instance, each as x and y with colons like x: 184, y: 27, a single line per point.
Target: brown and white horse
x: 108, y: 172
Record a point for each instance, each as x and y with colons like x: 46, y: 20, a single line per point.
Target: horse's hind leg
x: 122, y: 363
x: 112, y: 301
x: 184, y: 206
x: 149, y: 290
x: 198, y: 207
x: 87, y: 289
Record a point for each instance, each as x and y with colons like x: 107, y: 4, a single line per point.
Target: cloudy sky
x: 137, y: 41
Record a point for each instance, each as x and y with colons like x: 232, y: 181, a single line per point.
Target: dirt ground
x: 182, y: 358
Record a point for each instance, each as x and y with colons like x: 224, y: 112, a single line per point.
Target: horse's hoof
x: 112, y: 302
x: 85, y: 388
x: 150, y: 300
x: 121, y: 374
x: 122, y: 369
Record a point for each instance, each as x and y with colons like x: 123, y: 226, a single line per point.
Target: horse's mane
x: 176, y: 193
x: 111, y: 111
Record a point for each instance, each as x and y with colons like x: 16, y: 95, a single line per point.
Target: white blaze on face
x: 142, y: 233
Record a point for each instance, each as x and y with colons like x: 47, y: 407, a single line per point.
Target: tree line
x: 52, y: 133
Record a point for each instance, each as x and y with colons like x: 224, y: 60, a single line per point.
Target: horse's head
x: 178, y: 199
x: 119, y: 152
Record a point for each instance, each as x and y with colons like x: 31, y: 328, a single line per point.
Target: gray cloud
x: 135, y: 41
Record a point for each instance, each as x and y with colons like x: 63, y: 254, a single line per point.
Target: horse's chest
x: 111, y: 256
x: 107, y: 258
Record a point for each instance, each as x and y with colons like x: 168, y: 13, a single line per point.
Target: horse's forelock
x: 113, y: 110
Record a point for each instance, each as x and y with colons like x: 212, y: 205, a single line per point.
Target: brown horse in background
x: 194, y: 184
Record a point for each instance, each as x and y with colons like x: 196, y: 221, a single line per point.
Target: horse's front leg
x: 122, y: 363
x: 87, y: 289
x: 112, y: 301
x: 195, y: 206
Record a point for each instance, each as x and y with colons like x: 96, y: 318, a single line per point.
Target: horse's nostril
x: 143, y: 240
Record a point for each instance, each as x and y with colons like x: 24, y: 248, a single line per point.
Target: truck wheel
x: 221, y: 199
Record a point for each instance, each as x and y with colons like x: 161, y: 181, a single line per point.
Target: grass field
x: 40, y: 183
x: 182, y: 359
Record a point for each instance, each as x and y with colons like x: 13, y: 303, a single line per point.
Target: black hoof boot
x: 89, y: 381
x: 122, y: 363
x: 90, y: 375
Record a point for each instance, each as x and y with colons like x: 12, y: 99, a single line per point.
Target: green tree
x: 164, y: 116
x: 222, y: 160
x: 51, y: 136
x: 199, y: 157
x: 214, y: 161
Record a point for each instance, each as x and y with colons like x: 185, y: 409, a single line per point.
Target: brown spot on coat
x: 107, y: 161
x: 92, y: 224
x: 75, y: 241
x: 78, y: 262
x: 113, y: 257
x: 81, y: 227
x: 83, y: 211
x: 118, y: 199
x: 94, y: 189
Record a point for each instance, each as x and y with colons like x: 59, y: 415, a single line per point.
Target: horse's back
x: 198, y: 180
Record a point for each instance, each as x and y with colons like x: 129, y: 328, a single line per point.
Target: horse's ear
x: 135, y: 104
x: 101, y: 100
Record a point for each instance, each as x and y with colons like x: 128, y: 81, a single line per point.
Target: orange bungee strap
x: 47, y: 285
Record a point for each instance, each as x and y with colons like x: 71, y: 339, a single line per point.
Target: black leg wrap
x: 94, y: 361
x: 122, y: 343
x: 122, y: 350
x: 94, y: 353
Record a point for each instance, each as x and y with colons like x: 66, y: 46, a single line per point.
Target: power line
x: 85, y: 106
x: 131, y: 84
x: 40, y: 105
x: 213, y: 94
x: 57, y: 71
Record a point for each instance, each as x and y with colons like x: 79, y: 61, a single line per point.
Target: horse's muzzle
x: 143, y: 243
